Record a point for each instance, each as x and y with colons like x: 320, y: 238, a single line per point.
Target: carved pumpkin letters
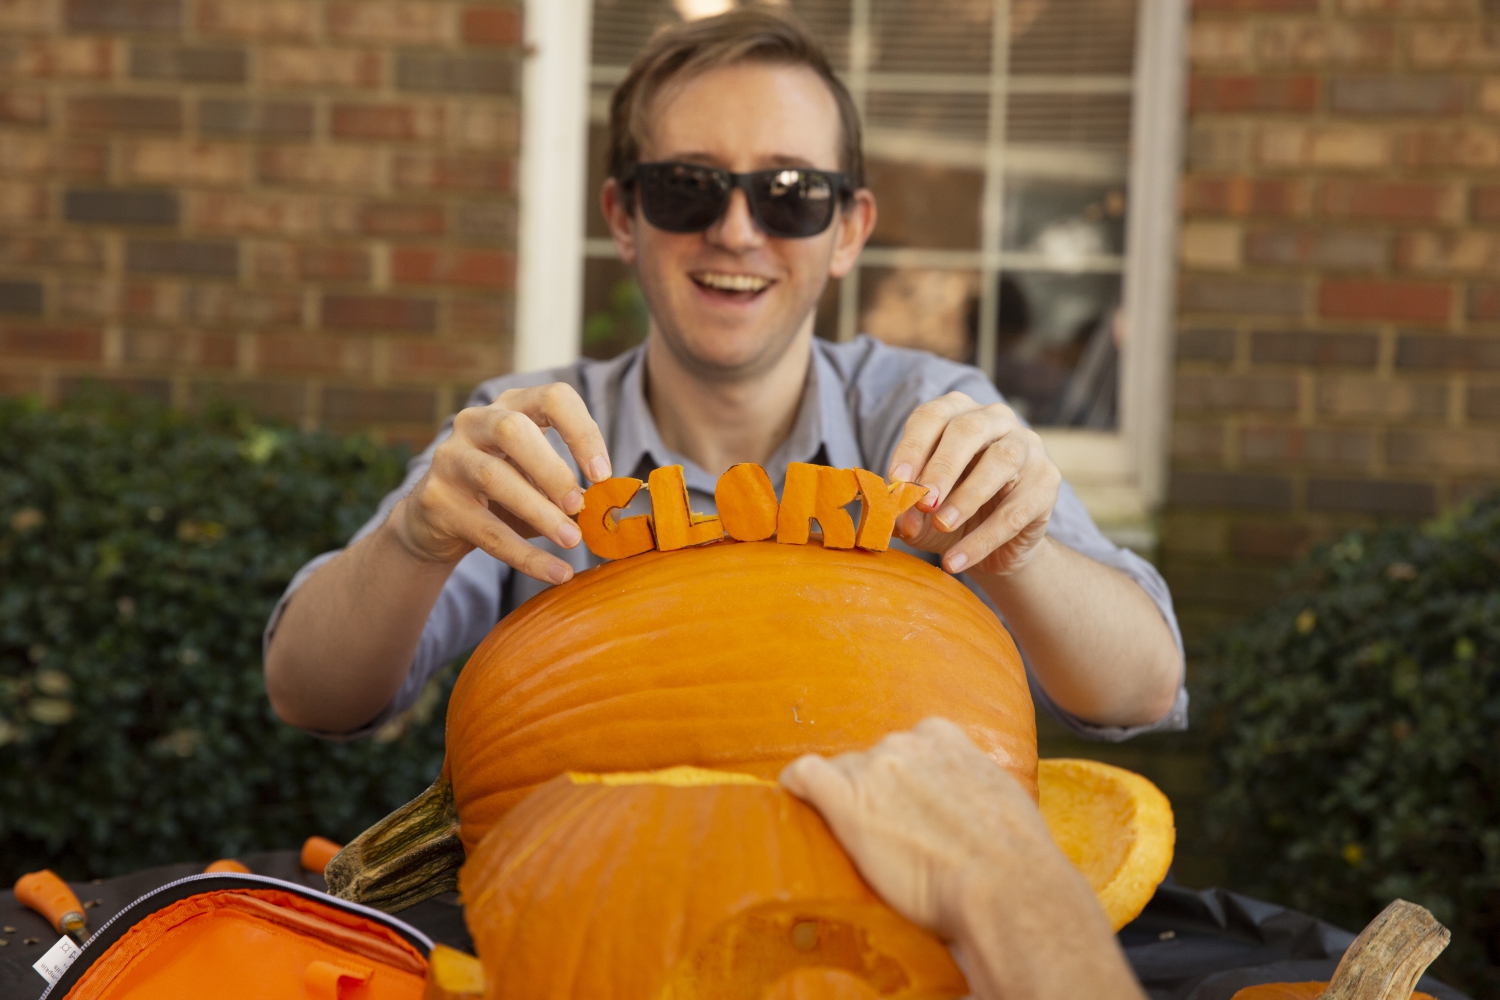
x: 748, y: 510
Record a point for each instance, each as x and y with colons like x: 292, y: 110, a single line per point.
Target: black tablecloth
x: 1189, y: 944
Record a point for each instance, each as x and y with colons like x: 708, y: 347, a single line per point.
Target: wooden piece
x: 816, y: 491
x: 880, y: 505
x: 1390, y: 955
x: 677, y: 527
x: 411, y: 855
x: 606, y: 537
x: 747, y: 503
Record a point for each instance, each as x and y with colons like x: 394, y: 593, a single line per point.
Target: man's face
x: 729, y: 301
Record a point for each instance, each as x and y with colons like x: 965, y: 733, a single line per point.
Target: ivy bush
x: 141, y: 551
x: 1355, y: 736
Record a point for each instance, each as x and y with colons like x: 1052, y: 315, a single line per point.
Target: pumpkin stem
x: 411, y: 855
x: 1389, y: 956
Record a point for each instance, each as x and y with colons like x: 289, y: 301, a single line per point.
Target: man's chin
x: 729, y: 357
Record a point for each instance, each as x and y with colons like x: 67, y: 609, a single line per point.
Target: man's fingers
x: 476, y: 525
x: 559, y: 405
x: 998, y: 464
x: 924, y: 428
x: 966, y: 436
x: 1028, y: 504
x: 516, y: 436
x: 499, y: 481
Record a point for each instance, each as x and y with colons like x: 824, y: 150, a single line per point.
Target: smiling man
x: 736, y: 191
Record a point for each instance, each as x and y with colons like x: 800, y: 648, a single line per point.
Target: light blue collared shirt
x: 854, y: 407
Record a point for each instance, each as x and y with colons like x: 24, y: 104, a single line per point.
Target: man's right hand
x: 497, y: 481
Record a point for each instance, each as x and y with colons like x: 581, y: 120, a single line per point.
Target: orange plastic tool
x: 317, y: 852
x: 50, y: 896
x: 227, y: 866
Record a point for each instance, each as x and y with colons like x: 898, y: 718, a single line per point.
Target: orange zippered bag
x: 246, y: 937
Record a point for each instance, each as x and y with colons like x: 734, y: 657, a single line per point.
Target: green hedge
x: 141, y: 551
x: 1355, y: 735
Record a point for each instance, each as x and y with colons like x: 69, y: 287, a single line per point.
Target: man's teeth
x: 732, y: 282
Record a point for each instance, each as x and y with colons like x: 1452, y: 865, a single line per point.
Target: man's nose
x: 736, y: 229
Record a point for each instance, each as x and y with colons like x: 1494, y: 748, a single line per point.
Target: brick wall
x: 1339, y: 348
x: 305, y: 205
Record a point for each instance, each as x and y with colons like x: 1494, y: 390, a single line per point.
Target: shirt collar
x: 822, y: 432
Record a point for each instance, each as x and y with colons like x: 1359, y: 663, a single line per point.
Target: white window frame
x: 1121, y: 474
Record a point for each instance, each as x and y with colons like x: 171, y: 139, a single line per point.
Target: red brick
x: 1242, y: 196
x: 21, y: 298
x: 87, y: 298
x: 70, y: 250
x: 379, y: 312
x: 1467, y: 251
x: 1381, y: 399
x: 1329, y: 145
x: 197, y: 163
x: 287, y: 215
x: 20, y: 202
x: 1436, y: 352
x: 1393, y: 201
x: 390, y: 122
x: 492, y: 26
x: 57, y: 59
x: 482, y: 318
x: 164, y: 16
x: 1397, y: 94
x: 20, y: 383
x: 406, y: 23
x: 23, y: 107
x: 435, y: 358
x: 297, y: 352
x: 282, y: 400
x: 45, y: 344
x: 159, y: 389
x: 1434, y: 45
x: 1306, y: 347
x: 333, y: 264
x: 319, y: 67
x: 1253, y: 92
x: 41, y: 156
x: 27, y: 16
x: 1314, y: 446
x: 1202, y: 442
x: 1225, y: 489
x: 474, y: 268
x: 290, y: 19
x: 342, y: 167
x: 177, y: 347
x: 1335, y: 249
x: 1401, y: 301
x: 1466, y: 146
x: 1483, y: 303
x: 417, y: 171
x: 1483, y: 402
x: 1263, y: 296
x: 1261, y: 393
x: 1257, y: 6
x: 349, y: 407
x: 125, y: 113
x: 1205, y: 344
x: 1486, y: 203
x: 1459, y: 451
x: 387, y: 218
x: 1269, y: 540
x: 1370, y: 496
x: 211, y: 305
x: 1321, y: 44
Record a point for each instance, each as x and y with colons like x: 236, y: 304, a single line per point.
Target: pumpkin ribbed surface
x: 1114, y: 825
x: 736, y: 656
x: 682, y: 890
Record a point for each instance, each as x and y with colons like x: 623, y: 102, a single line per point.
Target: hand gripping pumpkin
x: 733, y: 656
x: 685, y: 884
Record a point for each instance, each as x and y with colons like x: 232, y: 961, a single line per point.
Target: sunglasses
x: 790, y: 202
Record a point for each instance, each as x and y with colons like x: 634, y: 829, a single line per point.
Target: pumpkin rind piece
x: 1114, y: 825
x: 672, y: 513
x: 683, y: 888
x: 747, y: 503
x: 739, y: 656
x: 605, y: 536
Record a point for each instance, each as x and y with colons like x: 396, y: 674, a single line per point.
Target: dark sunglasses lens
x: 795, y: 203
x: 682, y: 199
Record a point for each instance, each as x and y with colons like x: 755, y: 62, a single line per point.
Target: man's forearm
x: 346, y: 640
x: 1095, y: 639
x: 1047, y: 944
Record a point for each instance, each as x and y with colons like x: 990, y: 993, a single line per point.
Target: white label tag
x: 52, y: 965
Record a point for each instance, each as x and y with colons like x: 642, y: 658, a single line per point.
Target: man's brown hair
x: 753, y: 33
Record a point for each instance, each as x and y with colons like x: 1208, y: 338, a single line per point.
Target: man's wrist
x: 1036, y: 562
x: 395, y: 532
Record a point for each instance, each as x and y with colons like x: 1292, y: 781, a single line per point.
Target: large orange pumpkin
x: 736, y: 656
x: 684, y: 884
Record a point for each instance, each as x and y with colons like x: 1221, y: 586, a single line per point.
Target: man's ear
x: 855, y: 223
x: 621, y: 222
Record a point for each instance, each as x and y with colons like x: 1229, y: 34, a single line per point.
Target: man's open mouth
x: 739, y: 286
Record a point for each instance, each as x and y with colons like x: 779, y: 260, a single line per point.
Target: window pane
x: 1058, y: 359
x: 614, y: 312
x: 925, y: 204
x: 930, y: 36
x: 1065, y: 221
x: 1072, y: 36
x: 928, y: 308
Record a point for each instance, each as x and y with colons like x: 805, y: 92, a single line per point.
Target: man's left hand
x: 991, y: 484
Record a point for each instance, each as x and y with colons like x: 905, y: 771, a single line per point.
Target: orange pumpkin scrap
x: 317, y: 852
x: 227, y: 866
x: 747, y: 503
x: 684, y: 884
x: 1114, y: 825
